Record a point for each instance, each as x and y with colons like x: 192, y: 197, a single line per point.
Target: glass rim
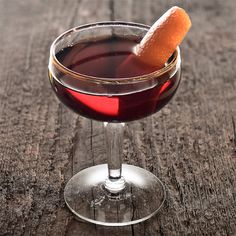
x: 157, y: 73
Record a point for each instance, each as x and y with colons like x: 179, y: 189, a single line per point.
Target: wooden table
x: 190, y: 144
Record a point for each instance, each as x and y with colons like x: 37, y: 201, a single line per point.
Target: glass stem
x: 115, y: 183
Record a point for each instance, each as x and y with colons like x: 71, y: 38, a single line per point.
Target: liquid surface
x: 101, y: 59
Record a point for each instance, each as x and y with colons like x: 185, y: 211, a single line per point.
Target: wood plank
x: 89, y: 145
x: 190, y: 145
x: 34, y: 152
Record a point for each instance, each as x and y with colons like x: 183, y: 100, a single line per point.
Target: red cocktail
x: 86, y: 74
x: 101, y: 59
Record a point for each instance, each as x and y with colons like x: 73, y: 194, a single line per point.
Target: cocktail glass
x: 113, y: 194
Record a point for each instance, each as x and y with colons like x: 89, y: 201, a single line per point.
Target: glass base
x: 87, y: 198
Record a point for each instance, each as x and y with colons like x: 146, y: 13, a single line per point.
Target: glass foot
x: 87, y: 198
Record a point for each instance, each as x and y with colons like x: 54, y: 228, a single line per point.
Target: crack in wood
x: 74, y: 145
x: 91, y: 141
x: 112, y: 10
x: 132, y: 230
x: 234, y: 133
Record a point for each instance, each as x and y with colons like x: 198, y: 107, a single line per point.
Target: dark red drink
x: 101, y: 59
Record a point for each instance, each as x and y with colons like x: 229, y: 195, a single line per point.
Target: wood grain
x: 190, y: 145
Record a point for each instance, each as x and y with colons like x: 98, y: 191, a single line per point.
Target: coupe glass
x: 113, y: 194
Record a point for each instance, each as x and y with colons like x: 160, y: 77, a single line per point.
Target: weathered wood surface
x: 190, y: 144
